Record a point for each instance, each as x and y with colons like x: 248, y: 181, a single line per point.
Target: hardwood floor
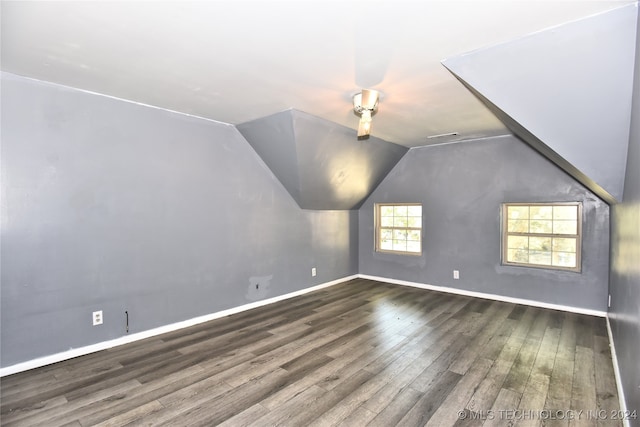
x: 358, y: 353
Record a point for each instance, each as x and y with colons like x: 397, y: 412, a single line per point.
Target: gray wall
x: 321, y: 163
x: 624, y: 313
x: 461, y: 187
x: 113, y: 206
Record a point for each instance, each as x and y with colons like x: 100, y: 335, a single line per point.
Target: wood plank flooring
x: 358, y: 353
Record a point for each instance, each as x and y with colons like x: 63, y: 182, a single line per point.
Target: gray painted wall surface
x: 113, y: 206
x: 570, y: 86
x: 321, y: 163
x: 461, y: 187
x: 624, y: 313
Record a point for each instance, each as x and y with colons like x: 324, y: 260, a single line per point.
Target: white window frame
x: 577, y: 236
x: 378, y: 227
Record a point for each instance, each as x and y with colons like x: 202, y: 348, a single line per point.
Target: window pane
x: 518, y: 212
x: 544, y: 235
x: 541, y: 212
x: 399, y: 235
x: 518, y: 226
x: 413, y: 246
x: 399, y: 221
x: 564, y: 259
x: 539, y: 257
x: 415, y: 222
x: 564, y: 245
x: 565, y: 227
x: 414, y: 211
x: 386, y: 210
x: 399, y: 211
x: 399, y: 228
x: 540, y: 244
x: 565, y: 212
x: 518, y: 255
x: 386, y: 221
x: 400, y: 245
x: 518, y: 242
x: 540, y: 226
x: 386, y: 234
x: 413, y: 235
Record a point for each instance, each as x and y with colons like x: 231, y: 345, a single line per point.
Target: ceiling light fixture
x: 365, y: 104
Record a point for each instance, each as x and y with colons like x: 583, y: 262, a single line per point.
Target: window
x: 399, y: 228
x: 546, y: 235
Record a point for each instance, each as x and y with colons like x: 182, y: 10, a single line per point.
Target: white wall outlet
x: 456, y: 274
x: 313, y: 272
x: 609, y: 303
x: 97, y: 318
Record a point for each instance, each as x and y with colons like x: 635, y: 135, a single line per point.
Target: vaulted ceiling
x: 559, y: 74
x: 237, y: 61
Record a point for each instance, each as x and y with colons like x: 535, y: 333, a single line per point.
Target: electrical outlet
x: 313, y: 272
x: 97, y: 318
x: 456, y: 274
x: 609, y: 304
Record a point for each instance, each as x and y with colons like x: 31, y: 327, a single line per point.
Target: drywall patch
x: 259, y: 287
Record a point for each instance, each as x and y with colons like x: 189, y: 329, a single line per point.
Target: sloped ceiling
x: 237, y: 60
x: 321, y: 163
x: 567, y: 91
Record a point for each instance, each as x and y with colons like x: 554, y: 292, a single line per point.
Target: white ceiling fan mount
x: 365, y: 104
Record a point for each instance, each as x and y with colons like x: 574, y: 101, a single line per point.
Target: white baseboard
x: 71, y: 353
x: 81, y: 351
x: 487, y: 296
x: 616, y: 372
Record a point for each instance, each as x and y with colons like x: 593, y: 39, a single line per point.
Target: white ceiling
x: 235, y: 61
